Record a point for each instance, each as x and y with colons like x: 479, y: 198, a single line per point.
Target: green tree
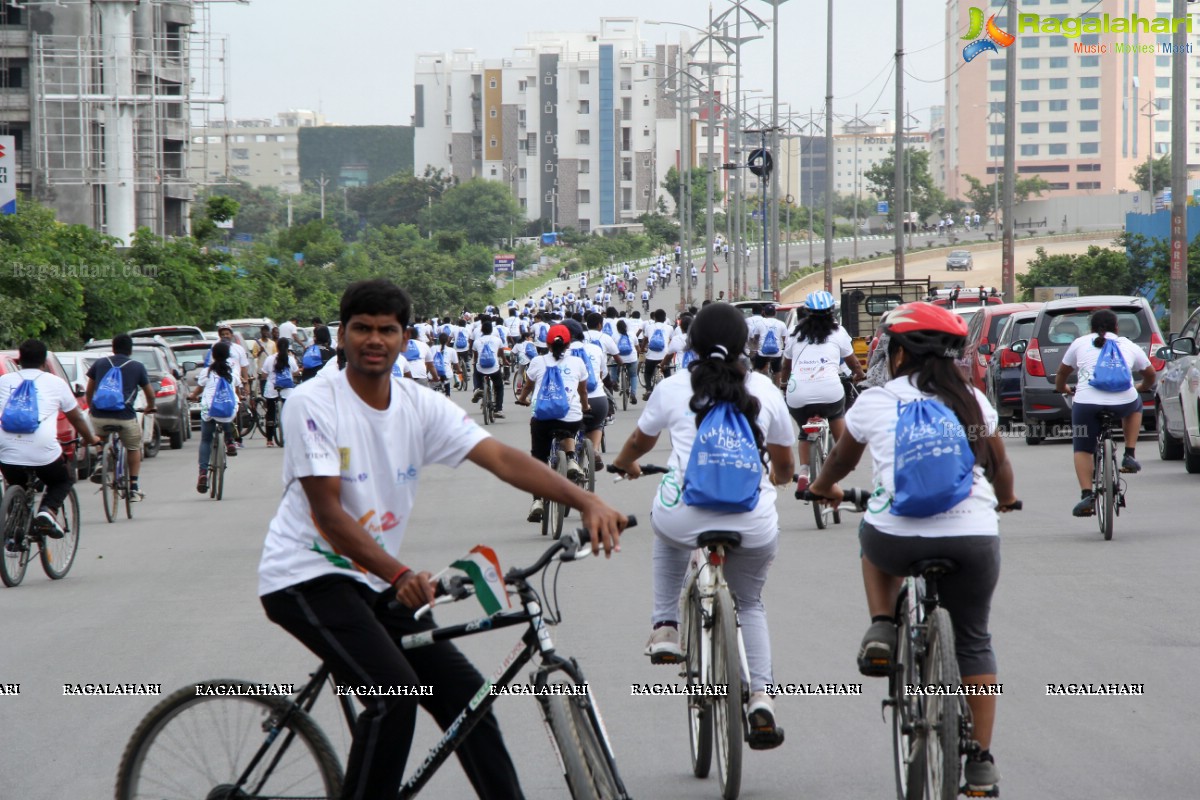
x: 660, y: 229
x: 483, y: 210
x: 400, y: 199
x: 1100, y: 270
x: 980, y: 195
x: 1162, y: 174
x: 927, y: 200
x: 699, y: 193
x: 260, y: 208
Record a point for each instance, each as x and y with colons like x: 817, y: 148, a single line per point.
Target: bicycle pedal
x: 765, y: 738
x: 666, y: 658
x: 993, y: 791
x: 1121, y: 501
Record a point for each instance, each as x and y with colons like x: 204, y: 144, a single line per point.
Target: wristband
x: 403, y: 571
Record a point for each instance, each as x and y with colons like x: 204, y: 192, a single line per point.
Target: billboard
x: 8, y: 175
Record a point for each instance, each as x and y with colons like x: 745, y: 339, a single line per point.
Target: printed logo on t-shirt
x: 388, y: 521
x: 312, y: 424
x: 345, y: 454
x: 404, y: 476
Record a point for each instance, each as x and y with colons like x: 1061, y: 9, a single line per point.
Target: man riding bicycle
x: 118, y: 412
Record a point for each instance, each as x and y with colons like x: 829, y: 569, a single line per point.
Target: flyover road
x: 169, y: 597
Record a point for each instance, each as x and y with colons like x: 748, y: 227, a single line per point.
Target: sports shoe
x: 46, y: 524
x: 239, y: 444
x: 498, y: 414
x: 136, y: 495
x: 270, y: 442
x: 764, y: 734
x: 599, y: 464
x: 802, y: 480
x: 574, y: 471
x: 663, y: 646
x: 645, y: 395
x: 633, y: 399
x: 980, y: 776
x: 202, y: 483
x: 97, y: 475
x: 477, y: 396
x: 1085, y: 507
x: 1130, y: 464
x: 535, y: 511
x: 13, y: 546
x: 875, y: 656
x: 231, y: 450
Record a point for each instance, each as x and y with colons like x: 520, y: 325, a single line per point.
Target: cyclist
x: 657, y: 337
x: 491, y: 372
x: 678, y: 406
x: 1125, y: 404
x: 772, y: 341
x: 754, y: 324
x: 596, y: 417
x: 445, y: 363
x: 38, y: 452
x: 695, y: 275
x: 810, y: 373
x: 420, y: 358
x: 317, y: 354
x: 279, y: 380
x: 924, y: 341
x: 206, y: 386
x: 573, y: 372
x: 626, y: 358
x: 117, y: 414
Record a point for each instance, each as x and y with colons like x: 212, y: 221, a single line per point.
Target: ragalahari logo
x: 993, y: 35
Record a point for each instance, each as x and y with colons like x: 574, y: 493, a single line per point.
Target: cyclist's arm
x: 843, y: 458
x: 151, y: 406
x: 526, y: 473
x: 91, y: 390
x: 80, y: 423
x: 1060, y: 378
x: 637, y: 445
x: 1149, y: 378
x: 349, y: 539
x: 1002, y: 480
x: 782, y: 465
x: 583, y: 396
x: 856, y: 369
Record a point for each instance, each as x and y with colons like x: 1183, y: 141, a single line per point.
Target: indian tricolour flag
x: 483, y: 568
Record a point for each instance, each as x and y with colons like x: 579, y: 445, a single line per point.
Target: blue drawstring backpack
x: 543, y: 329
x: 934, y: 465
x: 724, y: 471
x: 592, y: 383
x: 552, y: 401
x: 657, y: 343
x: 312, y: 357
x: 688, y: 358
x: 413, y: 352
x: 1111, y: 373
x: 110, y: 393
x: 284, y: 380
x: 607, y: 328
x: 439, y: 364
x: 460, y: 341
x: 770, y: 344
x: 223, y: 406
x: 21, y: 411
x: 487, y: 356
x: 624, y: 346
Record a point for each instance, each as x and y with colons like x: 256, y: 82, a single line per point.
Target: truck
x: 863, y: 302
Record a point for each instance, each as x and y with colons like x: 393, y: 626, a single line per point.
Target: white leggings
x: 746, y: 572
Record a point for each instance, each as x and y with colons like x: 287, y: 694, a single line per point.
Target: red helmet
x: 923, y: 328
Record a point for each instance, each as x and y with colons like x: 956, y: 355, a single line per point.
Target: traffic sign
x: 881, y: 207
x: 504, y: 262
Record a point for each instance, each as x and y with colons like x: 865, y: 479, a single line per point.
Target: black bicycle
x: 22, y: 538
x: 226, y: 743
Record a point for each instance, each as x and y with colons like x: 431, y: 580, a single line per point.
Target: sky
x: 356, y: 64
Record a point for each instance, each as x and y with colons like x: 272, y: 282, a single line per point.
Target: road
x: 169, y: 597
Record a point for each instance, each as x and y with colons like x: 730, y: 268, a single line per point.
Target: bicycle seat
x: 933, y: 567
x: 719, y: 539
x: 1107, y: 418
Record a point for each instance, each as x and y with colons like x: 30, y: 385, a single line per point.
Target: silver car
x: 959, y: 259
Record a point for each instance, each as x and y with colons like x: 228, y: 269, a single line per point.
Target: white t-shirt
x: 776, y: 325
x: 379, y: 456
x: 41, y: 447
x: 648, y: 332
x: 449, y: 359
x: 606, y: 343
x: 210, y: 388
x: 632, y: 356
x: 268, y: 367
x: 287, y: 330
x: 872, y: 421
x: 424, y: 355
x: 540, y: 331
x: 1083, y: 356
x: 754, y: 325
x: 493, y: 341
x: 598, y: 359
x: 816, y: 375
x: 668, y: 410
x: 573, y: 371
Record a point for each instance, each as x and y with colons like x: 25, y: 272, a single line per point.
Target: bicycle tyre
x: 560, y: 509
x: 108, y: 483
x: 518, y: 381
x: 126, y: 484
x: 260, y: 423
x: 624, y: 388
x: 326, y: 782
x: 12, y: 517
x: 58, y: 555
x: 700, y: 711
x: 726, y: 671
x: 907, y: 748
x: 487, y: 401
x: 589, y: 465
x: 943, y: 760
x: 279, y: 423
x: 816, y: 460
x: 1103, y: 488
x: 568, y: 738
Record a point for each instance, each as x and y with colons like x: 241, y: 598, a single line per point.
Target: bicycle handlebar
x: 647, y: 469
x: 571, y: 544
x: 858, y: 498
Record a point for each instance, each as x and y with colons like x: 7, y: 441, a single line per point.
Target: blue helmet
x: 819, y: 301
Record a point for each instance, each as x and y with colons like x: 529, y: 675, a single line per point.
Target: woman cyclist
x: 811, y: 373
x: 628, y: 360
x: 445, y: 363
x: 278, y: 379
x: 573, y: 372
x: 1126, y: 404
x: 718, y: 335
x: 924, y: 341
x: 206, y: 387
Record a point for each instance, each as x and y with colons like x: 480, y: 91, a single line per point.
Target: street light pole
x: 709, y: 263
x: 829, y: 147
x: 898, y: 177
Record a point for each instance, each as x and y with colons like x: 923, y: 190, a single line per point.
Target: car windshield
x: 150, y: 359
x: 1069, y: 325
x: 1021, y: 329
x: 959, y: 254
x: 248, y: 332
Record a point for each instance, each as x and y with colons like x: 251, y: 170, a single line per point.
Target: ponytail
x: 1103, y: 321
x: 282, y: 348
x: 220, y: 361
x: 557, y: 348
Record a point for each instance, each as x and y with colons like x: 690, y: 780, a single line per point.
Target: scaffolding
x: 112, y: 108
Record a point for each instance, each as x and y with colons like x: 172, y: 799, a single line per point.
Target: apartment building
x: 1089, y: 108
x: 582, y: 127
x: 261, y: 152
x: 859, y: 148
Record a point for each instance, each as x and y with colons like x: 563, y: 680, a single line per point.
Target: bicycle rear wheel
x: 700, y: 708
x: 126, y: 489
x: 59, y: 554
x: 560, y: 509
x: 908, y: 748
x: 13, y: 517
x: 279, y: 423
x: 1105, y: 486
x: 624, y: 389
x: 588, y: 462
x: 108, y: 483
x: 192, y: 746
x: 726, y: 671
x: 943, y: 761
x: 216, y: 464
x: 585, y: 765
x: 488, y: 419
x: 816, y: 460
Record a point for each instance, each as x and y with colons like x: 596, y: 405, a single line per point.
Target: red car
x: 79, y: 456
x: 983, y: 329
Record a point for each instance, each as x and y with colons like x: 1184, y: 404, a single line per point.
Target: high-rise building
x: 859, y: 148
x: 100, y: 97
x: 582, y: 127
x: 261, y: 152
x: 1089, y: 107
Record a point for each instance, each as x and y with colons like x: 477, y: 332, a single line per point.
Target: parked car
x: 1061, y: 322
x: 247, y: 329
x: 79, y: 457
x: 212, y: 336
x: 1178, y: 395
x: 194, y: 353
x: 170, y: 333
x: 959, y: 259
x: 166, y: 376
x: 1002, y: 381
x: 982, y: 328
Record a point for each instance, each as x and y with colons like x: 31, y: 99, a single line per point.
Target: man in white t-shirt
x: 488, y: 357
x: 287, y: 330
x: 358, y: 444
x: 37, y: 451
x: 772, y: 339
x: 656, y: 338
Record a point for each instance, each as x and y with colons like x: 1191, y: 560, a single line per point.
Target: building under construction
x: 101, y: 96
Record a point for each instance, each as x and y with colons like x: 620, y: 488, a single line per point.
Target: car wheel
x: 1034, y: 433
x: 150, y: 449
x: 176, y: 439
x: 1169, y: 447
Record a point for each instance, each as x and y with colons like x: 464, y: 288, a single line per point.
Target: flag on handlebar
x: 483, y: 568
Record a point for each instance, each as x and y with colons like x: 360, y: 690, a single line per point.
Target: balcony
x: 178, y: 189
x: 14, y: 105
x: 626, y: 86
x: 14, y: 42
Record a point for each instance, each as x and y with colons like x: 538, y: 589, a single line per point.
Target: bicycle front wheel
x: 907, y: 747
x: 942, y: 758
x: 13, y: 517
x: 560, y: 509
x: 488, y: 419
x: 585, y: 765
x: 192, y: 746
x: 59, y: 554
x: 726, y: 671
x: 700, y: 710
x: 1105, y: 487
